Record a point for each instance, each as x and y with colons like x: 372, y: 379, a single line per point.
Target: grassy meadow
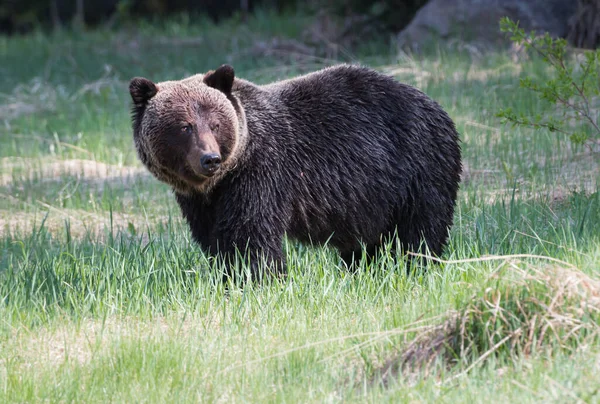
x: 104, y: 297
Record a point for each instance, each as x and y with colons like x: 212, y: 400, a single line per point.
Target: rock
x: 478, y: 20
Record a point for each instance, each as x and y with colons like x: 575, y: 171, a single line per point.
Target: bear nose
x: 210, y: 162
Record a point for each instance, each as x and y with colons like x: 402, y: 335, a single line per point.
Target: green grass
x: 104, y: 297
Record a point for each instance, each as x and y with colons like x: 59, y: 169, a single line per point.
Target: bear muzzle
x: 197, y: 168
x: 210, y: 163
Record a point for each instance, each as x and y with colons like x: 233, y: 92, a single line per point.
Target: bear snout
x: 210, y: 163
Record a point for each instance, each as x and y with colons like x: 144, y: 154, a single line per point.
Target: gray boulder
x: 478, y: 20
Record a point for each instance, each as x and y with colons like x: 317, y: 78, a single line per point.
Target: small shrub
x: 574, y: 87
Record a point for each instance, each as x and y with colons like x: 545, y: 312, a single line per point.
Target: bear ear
x: 142, y: 90
x: 220, y: 79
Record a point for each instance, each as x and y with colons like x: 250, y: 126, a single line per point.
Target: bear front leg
x: 242, y: 221
x: 262, y: 262
x: 245, y: 248
x: 250, y: 230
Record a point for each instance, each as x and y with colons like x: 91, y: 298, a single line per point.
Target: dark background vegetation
x: 20, y: 16
x: 360, y: 20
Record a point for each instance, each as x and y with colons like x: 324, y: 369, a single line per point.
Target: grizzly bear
x: 345, y: 155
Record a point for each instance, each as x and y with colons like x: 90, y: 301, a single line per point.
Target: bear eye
x: 214, y: 127
x: 186, y: 129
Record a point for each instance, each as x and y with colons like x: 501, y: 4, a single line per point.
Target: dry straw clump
x: 523, y: 310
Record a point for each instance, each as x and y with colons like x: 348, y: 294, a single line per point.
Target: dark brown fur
x: 345, y: 155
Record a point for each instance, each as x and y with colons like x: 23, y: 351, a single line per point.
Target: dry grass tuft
x: 30, y: 98
x: 528, y: 310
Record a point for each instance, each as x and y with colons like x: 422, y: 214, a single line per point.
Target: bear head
x: 189, y: 132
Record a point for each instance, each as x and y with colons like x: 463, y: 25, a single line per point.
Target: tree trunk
x: 584, y: 26
x: 244, y: 8
x: 79, y: 18
x: 54, y: 15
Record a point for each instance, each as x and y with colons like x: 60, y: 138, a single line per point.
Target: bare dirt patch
x: 18, y: 169
x: 79, y: 343
x: 16, y: 173
x: 80, y: 223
